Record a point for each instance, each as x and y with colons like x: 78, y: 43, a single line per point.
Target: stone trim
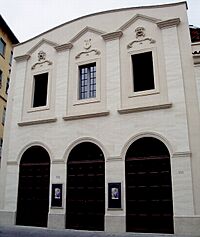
x: 58, y: 162
x: 22, y: 58
x: 12, y: 162
x: 39, y: 121
x: 184, y: 154
x: 135, y: 18
x: 43, y: 41
x: 63, y: 47
x: 145, y: 108
x: 196, y: 58
x: 84, y: 116
x: 112, y: 35
x: 168, y: 23
x: 84, y: 30
x: 114, y: 158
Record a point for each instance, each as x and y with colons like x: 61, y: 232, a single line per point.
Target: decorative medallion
x: 140, y: 32
x: 87, y: 46
x: 140, y: 37
x: 41, y: 60
x: 41, y: 56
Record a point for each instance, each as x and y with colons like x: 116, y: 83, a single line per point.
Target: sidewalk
x: 19, y: 231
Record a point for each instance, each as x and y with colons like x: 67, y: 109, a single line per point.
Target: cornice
x: 39, y: 121
x: 22, y: 58
x: 112, y: 35
x: 63, y: 47
x: 84, y: 116
x: 196, y: 59
x: 145, y: 108
x: 168, y: 23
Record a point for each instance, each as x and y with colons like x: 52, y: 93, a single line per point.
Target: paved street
x: 18, y: 231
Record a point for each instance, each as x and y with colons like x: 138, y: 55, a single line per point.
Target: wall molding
x: 22, y: 58
x: 38, y: 121
x: 112, y: 35
x: 168, y: 23
x: 184, y: 154
x: 64, y: 47
x: 144, y: 108
x: 84, y: 116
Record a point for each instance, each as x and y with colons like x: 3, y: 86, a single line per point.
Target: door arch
x: 85, y: 200
x: 149, y: 204
x: 33, y: 189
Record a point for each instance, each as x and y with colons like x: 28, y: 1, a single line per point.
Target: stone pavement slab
x: 19, y: 231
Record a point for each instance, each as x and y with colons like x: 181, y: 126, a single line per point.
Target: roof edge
x: 9, y: 32
x: 105, y: 12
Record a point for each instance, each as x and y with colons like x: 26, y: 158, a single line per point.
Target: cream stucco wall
x: 117, y: 117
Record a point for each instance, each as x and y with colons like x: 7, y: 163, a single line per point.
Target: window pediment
x: 41, y: 42
x: 84, y: 31
x: 135, y: 18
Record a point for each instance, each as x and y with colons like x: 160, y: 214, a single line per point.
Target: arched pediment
x: 137, y: 17
x: 41, y: 42
x: 84, y: 31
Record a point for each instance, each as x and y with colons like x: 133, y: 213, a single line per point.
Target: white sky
x: 28, y: 18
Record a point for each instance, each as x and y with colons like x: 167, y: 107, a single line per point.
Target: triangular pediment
x: 41, y: 42
x: 135, y: 18
x: 84, y: 31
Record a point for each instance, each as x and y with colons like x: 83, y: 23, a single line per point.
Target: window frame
x: 1, y: 78
x: 4, y: 47
x: 7, y: 85
x: 11, y: 58
x: 3, y: 119
x: 89, y: 79
x: 39, y: 108
x: 96, y: 99
x: 133, y: 93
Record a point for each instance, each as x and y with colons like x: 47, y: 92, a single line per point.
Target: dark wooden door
x: 33, y: 194
x: 149, y: 205
x: 85, y: 195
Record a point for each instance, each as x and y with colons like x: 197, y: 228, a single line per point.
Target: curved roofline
x: 105, y: 12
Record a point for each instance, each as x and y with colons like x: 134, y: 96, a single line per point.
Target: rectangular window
x: 40, y: 90
x: 87, y: 81
x: 1, y: 144
x: 7, y: 85
x: 1, y: 78
x: 11, y: 57
x: 2, y: 47
x: 143, y: 75
x: 3, y: 116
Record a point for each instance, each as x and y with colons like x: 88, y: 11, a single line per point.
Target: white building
x: 103, y: 125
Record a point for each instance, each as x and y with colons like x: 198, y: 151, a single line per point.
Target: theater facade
x: 103, y: 125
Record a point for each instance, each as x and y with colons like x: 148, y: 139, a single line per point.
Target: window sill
x: 144, y: 93
x: 86, y: 101
x: 84, y: 116
x: 145, y: 108
x: 34, y: 122
x: 39, y: 108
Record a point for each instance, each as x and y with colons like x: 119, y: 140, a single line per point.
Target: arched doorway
x: 149, y: 206
x: 33, y: 190
x: 85, y: 204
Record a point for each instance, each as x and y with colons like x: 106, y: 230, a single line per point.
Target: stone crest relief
x: 140, y: 37
x: 87, y: 45
x: 41, y: 60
